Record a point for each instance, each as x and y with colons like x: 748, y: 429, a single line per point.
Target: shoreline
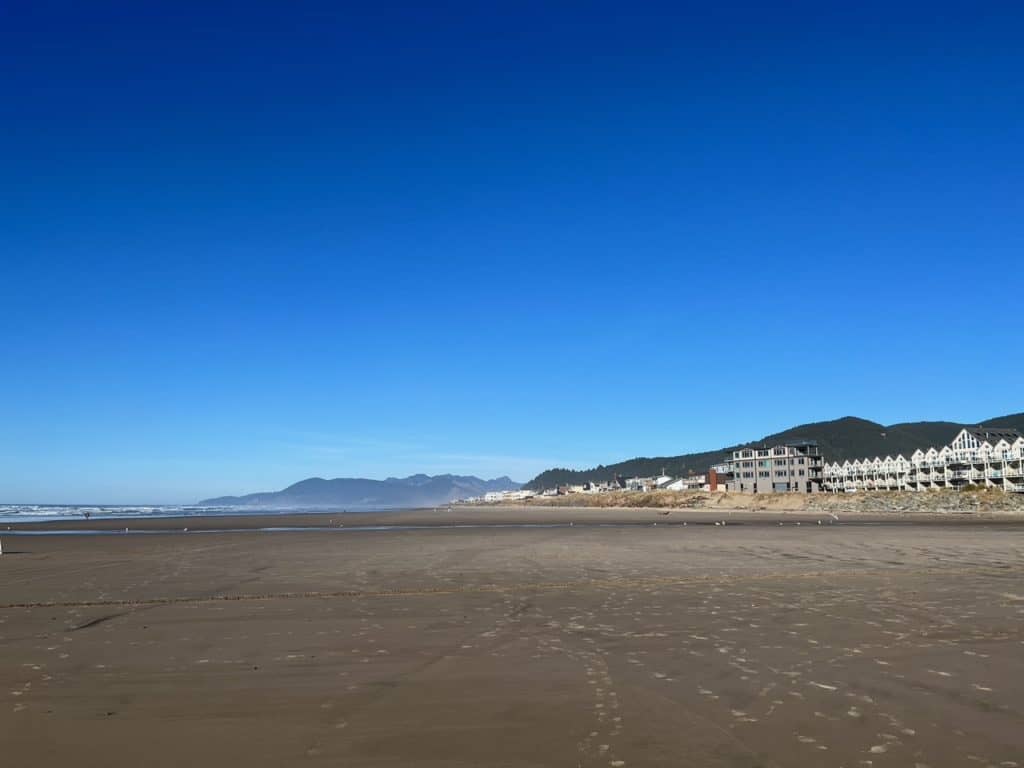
x: 512, y: 515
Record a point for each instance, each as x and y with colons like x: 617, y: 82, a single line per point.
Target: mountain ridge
x: 848, y: 437
x: 414, y: 491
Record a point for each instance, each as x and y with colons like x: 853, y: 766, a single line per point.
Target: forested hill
x: 841, y: 439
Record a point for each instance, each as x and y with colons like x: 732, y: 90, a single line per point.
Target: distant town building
x: 521, y: 495
x: 988, y: 457
x: 690, y: 483
x: 643, y: 484
x: 790, y: 468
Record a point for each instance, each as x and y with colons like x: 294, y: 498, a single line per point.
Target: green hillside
x: 839, y: 440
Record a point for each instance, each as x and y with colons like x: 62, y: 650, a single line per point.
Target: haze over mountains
x: 841, y: 439
x: 342, y: 492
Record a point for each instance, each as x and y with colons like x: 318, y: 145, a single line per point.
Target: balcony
x: 967, y: 474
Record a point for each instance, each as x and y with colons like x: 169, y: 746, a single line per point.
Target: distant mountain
x: 839, y: 440
x: 342, y: 492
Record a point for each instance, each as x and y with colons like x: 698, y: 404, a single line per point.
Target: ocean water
x: 29, y: 513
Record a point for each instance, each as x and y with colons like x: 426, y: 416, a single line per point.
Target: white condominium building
x: 990, y: 457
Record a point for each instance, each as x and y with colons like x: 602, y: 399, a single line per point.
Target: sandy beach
x: 753, y: 644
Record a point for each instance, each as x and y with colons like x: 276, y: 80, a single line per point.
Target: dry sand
x: 640, y: 645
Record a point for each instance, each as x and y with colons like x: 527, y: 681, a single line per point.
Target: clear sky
x: 243, y: 244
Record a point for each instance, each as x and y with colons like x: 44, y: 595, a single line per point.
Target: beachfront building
x: 985, y: 457
x: 690, y: 483
x: 641, y: 484
x: 789, y: 468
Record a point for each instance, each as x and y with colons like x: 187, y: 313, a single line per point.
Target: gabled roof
x: 993, y: 434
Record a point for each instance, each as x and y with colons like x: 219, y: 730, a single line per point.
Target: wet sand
x: 467, y: 515
x: 639, y: 645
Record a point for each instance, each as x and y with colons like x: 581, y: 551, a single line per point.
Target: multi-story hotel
x: 790, y: 468
x: 978, y: 456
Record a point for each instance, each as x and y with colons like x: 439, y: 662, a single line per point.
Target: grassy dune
x: 881, y: 501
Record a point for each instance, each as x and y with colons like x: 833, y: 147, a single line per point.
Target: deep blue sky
x: 244, y: 244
